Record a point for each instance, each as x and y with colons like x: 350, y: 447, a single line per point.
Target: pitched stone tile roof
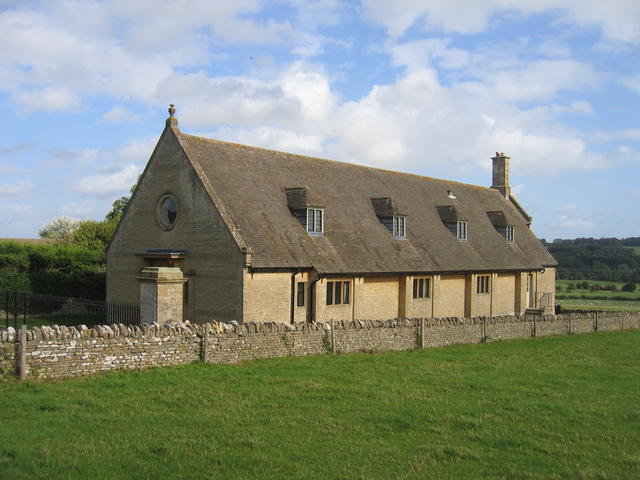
x: 248, y: 185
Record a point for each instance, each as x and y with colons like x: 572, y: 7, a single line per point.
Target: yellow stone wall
x: 504, y: 294
x: 267, y: 297
x: 449, y: 296
x: 380, y: 296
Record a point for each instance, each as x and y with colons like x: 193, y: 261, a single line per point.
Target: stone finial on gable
x: 172, y: 121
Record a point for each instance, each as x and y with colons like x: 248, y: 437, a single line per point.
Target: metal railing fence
x: 34, y: 309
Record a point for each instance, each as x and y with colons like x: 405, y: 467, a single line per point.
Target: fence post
x: 621, y: 322
x: 596, y: 327
x: 422, y: 333
x: 570, y: 326
x: 22, y: 354
x: 333, y: 339
x: 534, y: 333
x: 205, y: 343
x: 484, y: 329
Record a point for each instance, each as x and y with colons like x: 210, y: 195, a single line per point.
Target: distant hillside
x: 609, y: 259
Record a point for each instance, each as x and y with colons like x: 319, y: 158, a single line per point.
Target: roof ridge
x: 310, y: 157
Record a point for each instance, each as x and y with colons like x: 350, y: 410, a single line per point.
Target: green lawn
x: 553, y: 408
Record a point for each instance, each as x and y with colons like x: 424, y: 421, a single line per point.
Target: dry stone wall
x: 55, y: 352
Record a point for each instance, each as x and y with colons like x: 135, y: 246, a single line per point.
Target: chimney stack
x: 501, y: 174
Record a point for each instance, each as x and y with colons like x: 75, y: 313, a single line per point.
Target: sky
x: 432, y: 87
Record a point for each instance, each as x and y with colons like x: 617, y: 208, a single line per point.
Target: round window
x: 167, y: 212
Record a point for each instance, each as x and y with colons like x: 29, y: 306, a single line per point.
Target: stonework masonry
x: 57, y: 352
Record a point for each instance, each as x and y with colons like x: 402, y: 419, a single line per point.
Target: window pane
x: 415, y: 288
x: 300, y: 301
x: 345, y: 297
x: 338, y: 293
x: 329, y: 293
x: 427, y: 289
x: 309, y: 220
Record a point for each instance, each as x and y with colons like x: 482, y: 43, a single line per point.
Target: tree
x: 629, y: 287
x: 60, y: 230
x: 119, y: 205
x: 93, y: 234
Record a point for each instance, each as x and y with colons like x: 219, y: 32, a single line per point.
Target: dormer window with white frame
x: 391, y: 215
x: 399, y: 227
x: 306, y: 205
x: 315, y: 221
x: 461, y: 230
x: 501, y: 224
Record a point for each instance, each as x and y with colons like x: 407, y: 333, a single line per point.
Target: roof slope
x: 250, y: 182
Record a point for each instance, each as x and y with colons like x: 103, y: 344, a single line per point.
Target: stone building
x: 250, y: 234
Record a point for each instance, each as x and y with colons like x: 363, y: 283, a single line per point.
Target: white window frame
x: 315, y: 220
x: 510, y: 234
x: 462, y: 230
x: 399, y: 226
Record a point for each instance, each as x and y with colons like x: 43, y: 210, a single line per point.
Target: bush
x: 629, y: 287
x: 64, y: 270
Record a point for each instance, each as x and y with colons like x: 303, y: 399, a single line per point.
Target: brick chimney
x: 501, y: 174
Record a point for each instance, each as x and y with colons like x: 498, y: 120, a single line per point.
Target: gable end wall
x: 215, y: 292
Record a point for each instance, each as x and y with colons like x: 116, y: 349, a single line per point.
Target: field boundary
x: 59, y: 351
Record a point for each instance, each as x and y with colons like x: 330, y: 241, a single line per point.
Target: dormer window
x: 306, y: 206
x: 461, y: 230
x: 501, y: 224
x: 391, y: 215
x: 452, y: 218
x: 315, y: 220
x: 399, y: 224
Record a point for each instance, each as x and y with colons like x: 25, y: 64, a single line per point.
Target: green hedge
x: 69, y: 271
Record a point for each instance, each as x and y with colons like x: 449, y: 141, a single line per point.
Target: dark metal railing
x: 34, y: 309
x: 545, y: 299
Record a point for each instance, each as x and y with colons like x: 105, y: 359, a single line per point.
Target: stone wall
x: 54, y: 352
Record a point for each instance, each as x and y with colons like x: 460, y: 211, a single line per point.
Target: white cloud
x: 618, y: 19
x: 21, y: 188
x: 535, y: 81
x: 570, y: 218
x: 576, y: 223
x: 82, y: 210
x: 49, y: 99
x: 119, y: 114
x: 108, y: 182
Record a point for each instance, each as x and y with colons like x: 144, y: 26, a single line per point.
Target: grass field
x: 635, y: 249
x: 553, y: 408
x: 597, y: 300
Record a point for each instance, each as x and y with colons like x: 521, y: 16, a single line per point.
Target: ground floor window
x: 338, y: 292
x: 483, y: 284
x: 421, y: 288
x: 300, y: 294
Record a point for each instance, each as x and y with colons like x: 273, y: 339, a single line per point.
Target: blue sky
x: 428, y: 87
